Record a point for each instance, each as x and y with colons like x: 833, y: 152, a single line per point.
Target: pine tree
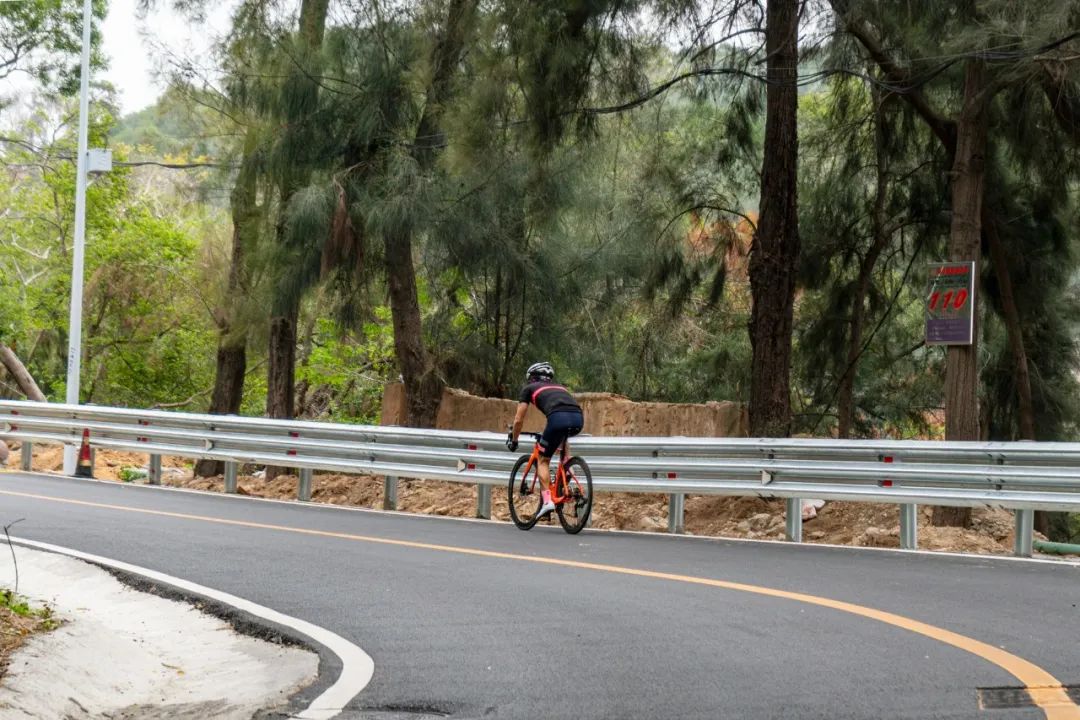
x: 1020, y: 35
x: 297, y: 101
x: 869, y: 208
x: 774, y: 256
x: 231, y: 362
x: 423, y: 386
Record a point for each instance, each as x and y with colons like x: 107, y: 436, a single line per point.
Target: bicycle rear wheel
x: 574, y: 512
x: 523, y: 494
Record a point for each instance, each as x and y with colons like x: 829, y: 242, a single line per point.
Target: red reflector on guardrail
x: 470, y: 447
x: 672, y: 476
x: 291, y: 452
x: 294, y: 434
x: 885, y: 483
x: 887, y: 458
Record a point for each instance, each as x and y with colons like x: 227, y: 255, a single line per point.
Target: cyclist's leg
x: 571, y: 432
x: 543, y: 472
x: 543, y: 469
x: 553, y: 436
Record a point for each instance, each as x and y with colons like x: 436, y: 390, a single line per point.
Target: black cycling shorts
x: 561, y: 424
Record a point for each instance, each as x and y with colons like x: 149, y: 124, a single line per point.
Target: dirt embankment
x: 841, y: 523
x: 605, y: 414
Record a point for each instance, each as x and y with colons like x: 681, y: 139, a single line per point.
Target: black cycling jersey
x: 548, y: 397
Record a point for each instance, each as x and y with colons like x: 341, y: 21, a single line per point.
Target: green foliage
x: 874, y: 203
x: 44, y: 39
x: 613, y: 244
x: 131, y: 474
x: 343, y: 374
x: 182, y: 124
x: 22, y: 607
x: 138, y: 262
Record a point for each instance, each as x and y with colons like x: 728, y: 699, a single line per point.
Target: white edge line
x: 357, y: 666
x: 331, y: 507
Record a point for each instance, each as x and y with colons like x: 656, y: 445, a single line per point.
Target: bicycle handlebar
x: 533, y: 435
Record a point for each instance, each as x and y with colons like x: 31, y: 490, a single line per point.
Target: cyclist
x: 564, y: 420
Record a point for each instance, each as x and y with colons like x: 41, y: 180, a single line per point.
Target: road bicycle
x: 571, y: 490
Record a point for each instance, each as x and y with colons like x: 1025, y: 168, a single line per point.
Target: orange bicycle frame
x: 560, y: 483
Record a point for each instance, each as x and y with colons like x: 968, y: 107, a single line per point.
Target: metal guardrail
x: 1021, y: 476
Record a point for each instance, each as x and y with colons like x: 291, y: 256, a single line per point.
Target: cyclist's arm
x: 519, y: 419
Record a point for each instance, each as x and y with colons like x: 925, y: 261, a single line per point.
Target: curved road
x: 479, y: 620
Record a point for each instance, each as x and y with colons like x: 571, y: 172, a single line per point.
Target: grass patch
x: 20, y: 606
x: 18, y: 621
x: 131, y: 474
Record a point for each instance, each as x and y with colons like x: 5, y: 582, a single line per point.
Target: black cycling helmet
x: 540, y: 371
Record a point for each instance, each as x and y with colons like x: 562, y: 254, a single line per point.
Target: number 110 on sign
x: 956, y: 297
x: 950, y: 304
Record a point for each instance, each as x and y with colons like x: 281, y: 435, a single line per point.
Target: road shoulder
x: 120, y: 652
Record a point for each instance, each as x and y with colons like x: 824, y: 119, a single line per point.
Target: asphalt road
x: 461, y: 634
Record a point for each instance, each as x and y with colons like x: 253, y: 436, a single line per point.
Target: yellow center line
x: 1046, y: 691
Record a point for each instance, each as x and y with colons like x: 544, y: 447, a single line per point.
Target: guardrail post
x: 676, y: 513
x: 483, y: 501
x: 1025, y: 526
x: 909, y: 526
x: 794, y: 519
x: 230, y: 476
x: 27, y: 455
x: 153, y: 473
x: 305, y: 484
x: 389, y: 501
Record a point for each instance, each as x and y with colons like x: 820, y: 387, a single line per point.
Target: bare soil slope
x: 840, y: 523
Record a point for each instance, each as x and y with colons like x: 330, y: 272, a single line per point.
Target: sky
x: 128, y: 43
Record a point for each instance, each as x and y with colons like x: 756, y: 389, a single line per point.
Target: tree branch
x: 182, y: 403
x: 942, y: 127
x: 1063, y: 96
x: 22, y: 377
x: 664, y: 87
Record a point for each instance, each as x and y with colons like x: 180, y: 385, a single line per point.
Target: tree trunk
x: 232, y: 344
x: 1014, y: 329
x: 846, y: 398
x: 228, y: 391
x: 304, y: 392
x: 313, y: 23
x: 303, y: 97
x: 961, y: 369
x: 776, y: 242
x: 281, y: 378
x: 423, y: 386
x: 22, y: 376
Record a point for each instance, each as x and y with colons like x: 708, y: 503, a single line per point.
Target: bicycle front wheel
x: 523, y: 494
x: 575, y: 510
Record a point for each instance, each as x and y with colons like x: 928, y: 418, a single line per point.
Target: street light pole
x: 75, y: 322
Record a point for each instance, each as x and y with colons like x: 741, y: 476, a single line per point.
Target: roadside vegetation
x: 677, y: 201
x: 18, y: 621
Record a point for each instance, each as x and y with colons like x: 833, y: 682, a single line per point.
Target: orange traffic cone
x: 85, y: 467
